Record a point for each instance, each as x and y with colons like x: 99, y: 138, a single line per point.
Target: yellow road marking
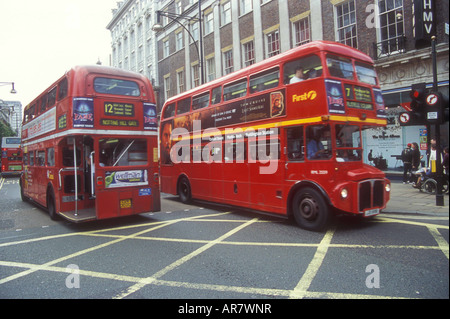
x: 313, y: 267
x: 181, y: 261
x: 408, y: 222
x: 82, y: 252
x: 442, y: 243
x: 300, y: 291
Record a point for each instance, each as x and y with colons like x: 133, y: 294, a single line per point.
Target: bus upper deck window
x: 169, y: 111
x: 366, y: 73
x: 216, y: 95
x: 310, y: 67
x: 264, y: 81
x: 235, y: 90
x: 340, y: 67
x: 200, y: 101
x: 116, y: 87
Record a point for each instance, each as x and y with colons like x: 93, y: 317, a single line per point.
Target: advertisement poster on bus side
x: 335, y: 96
x: 83, y: 112
x: 261, y: 107
x: 379, y: 103
x: 150, y: 119
x: 126, y: 178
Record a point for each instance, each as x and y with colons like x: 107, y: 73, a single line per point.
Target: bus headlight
x: 387, y: 187
x: 344, y: 193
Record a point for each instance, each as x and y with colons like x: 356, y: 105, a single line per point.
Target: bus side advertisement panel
x: 261, y: 107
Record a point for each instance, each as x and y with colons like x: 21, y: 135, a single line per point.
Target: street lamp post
x: 13, y: 90
x: 159, y: 27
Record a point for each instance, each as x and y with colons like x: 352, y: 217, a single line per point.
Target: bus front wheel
x: 184, y: 190
x: 310, y: 210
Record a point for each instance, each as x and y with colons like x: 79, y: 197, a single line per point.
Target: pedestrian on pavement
x: 445, y: 161
x: 407, y: 163
x: 431, y: 167
x: 415, y: 162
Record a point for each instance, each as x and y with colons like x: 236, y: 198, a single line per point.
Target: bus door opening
x: 69, y: 175
x: 89, y: 167
x: 122, y: 186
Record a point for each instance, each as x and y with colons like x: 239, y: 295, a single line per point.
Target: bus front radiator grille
x: 371, y: 194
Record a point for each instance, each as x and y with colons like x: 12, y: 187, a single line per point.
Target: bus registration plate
x: 125, y: 203
x: 371, y: 212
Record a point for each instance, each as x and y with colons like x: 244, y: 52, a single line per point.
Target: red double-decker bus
x: 282, y: 136
x: 11, y: 160
x: 90, y: 146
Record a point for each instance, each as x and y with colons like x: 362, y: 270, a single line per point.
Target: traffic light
x: 417, y: 115
x: 417, y: 94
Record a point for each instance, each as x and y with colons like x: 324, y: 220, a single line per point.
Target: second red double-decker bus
x: 90, y: 146
x: 282, y: 136
x: 11, y: 159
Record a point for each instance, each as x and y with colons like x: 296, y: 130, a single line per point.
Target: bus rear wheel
x: 184, y: 190
x: 310, y: 209
x: 51, y: 207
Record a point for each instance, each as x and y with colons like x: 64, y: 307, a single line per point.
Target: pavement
x: 408, y: 200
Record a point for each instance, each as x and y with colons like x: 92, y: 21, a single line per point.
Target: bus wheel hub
x: 308, y: 209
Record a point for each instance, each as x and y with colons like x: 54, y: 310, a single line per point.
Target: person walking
x: 415, y: 161
x: 445, y: 162
x: 407, y: 163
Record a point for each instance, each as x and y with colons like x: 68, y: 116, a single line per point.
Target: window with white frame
x: 166, y: 48
x: 245, y: 6
x: 167, y: 87
x: 228, y: 62
x: 226, y: 13
x: 302, y: 31
x: 249, y: 53
x: 211, y: 69
x: 209, y: 22
x: 273, y: 43
x: 391, y: 25
x: 179, y: 40
x: 180, y: 82
x: 178, y: 7
x: 346, y: 23
x: 194, y: 30
x: 195, y: 75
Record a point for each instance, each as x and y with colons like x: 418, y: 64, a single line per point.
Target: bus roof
x: 83, y: 70
x: 303, y: 50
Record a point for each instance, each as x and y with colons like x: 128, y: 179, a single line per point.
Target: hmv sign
x: 424, y: 21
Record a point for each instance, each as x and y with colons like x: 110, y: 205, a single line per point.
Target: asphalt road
x: 203, y: 251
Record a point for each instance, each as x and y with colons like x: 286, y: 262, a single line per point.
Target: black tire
x: 51, y: 207
x: 184, y: 190
x: 310, y: 210
x: 22, y: 195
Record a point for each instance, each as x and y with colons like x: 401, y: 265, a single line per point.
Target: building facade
x: 238, y: 33
x: 133, y: 42
x: 11, y: 113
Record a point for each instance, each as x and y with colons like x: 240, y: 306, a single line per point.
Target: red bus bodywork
x: 92, y: 136
x: 307, y: 189
x: 11, y: 157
